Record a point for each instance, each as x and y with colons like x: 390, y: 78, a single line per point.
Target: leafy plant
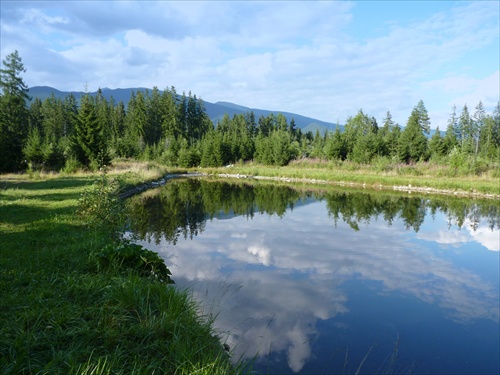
x: 129, y: 256
x: 100, y: 206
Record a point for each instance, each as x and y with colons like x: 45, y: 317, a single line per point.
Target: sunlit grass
x: 421, y: 175
x: 60, y: 313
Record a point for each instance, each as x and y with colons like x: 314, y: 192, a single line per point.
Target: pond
x: 334, y: 281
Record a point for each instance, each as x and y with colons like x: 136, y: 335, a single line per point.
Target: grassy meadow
x: 62, y: 312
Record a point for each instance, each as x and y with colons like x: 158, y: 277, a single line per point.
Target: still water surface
x: 323, y: 282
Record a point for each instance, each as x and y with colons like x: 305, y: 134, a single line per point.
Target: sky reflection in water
x: 301, y: 289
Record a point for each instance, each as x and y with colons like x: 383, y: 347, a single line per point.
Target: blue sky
x: 324, y: 59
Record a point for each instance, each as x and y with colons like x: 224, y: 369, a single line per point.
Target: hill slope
x: 215, y: 111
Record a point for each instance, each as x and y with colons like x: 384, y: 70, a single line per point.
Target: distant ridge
x: 215, y: 111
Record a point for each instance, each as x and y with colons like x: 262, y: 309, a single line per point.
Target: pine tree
x: 33, y: 150
x: 89, y: 136
x: 437, y: 146
x: 36, y: 114
x: 155, y: 112
x: 466, y: 131
x: 170, y: 125
x: 423, y: 117
x: 412, y: 145
x: 356, y: 127
x: 452, y: 132
x: 14, y: 115
x: 478, y: 123
x: 53, y: 119
x: 70, y: 115
x: 118, y: 116
x: 251, y: 124
x: 335, y: 146
x: 490, y: 135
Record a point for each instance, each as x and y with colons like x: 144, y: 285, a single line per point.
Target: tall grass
x: 61, y: 312
x: 382, y: 174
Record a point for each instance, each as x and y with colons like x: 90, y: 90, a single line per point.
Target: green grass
x: 61, y: 313
x: 388, y: 176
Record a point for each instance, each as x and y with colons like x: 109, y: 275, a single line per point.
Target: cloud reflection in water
x: 283, y: 274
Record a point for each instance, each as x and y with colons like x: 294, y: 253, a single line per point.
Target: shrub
x: 127, y: 256
x: 382, y: 164
x: 72, y: 165
x: 101, y: 208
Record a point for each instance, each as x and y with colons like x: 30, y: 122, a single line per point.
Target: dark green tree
x: 70, y: 111
x: 335, y: 146
x: 356, y: 127
x: 251, y: 124
x: 33, y: 150
x: 89, y: 136
x: 412, y: 145
x: 466, y: 127
x: 437, y: 146
x: 212, y: 149
x: 53, y: 119
x: 423, y: 117
x: 103, y: 112
x: 14, y: 115
x: 156, y: 113
x: 118, y: 118
x: 452, y: 132
x: 478, y: 123
x: 266, y: 125
x: 490, y: 135
x: 36, y: 114
x: 281, y: 152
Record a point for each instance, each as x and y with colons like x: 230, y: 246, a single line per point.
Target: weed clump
x: 100, y: 208
x: 128, y: 256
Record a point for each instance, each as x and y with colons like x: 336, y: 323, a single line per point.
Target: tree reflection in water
x: 182, y: 207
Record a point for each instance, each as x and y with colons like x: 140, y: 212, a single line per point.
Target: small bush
x: 101, y: 208
x: 72, y: 165
x: 128, y: 256
x: 351, y: 166
x: 382, y: 164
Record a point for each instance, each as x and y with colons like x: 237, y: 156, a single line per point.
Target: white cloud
x: 486, y: 90
x: 262, y: 254
x: 289, y: 56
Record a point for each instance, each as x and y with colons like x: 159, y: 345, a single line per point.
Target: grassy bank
x: 441, y: 179
x: 62, y: 312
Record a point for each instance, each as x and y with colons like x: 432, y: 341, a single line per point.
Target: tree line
x: 175, y: 129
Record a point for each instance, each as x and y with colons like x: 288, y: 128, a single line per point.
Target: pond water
x: 332, y: 281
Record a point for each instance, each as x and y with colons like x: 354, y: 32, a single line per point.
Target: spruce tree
x: 89, y: 136
x: 452, y: 132
x: 437, y: 146
x: 466, y: 131
x: 478, y: 123
x: 14, y: 115
x: 412, y: 145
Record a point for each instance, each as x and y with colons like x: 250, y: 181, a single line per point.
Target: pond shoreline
x: 408, y: 188
x: 403, y: 188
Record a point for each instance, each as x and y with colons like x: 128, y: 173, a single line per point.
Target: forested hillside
x: 215, y: 111
x: 67, y: 134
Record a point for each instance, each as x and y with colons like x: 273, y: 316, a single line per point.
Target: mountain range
x: 215, y: 111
